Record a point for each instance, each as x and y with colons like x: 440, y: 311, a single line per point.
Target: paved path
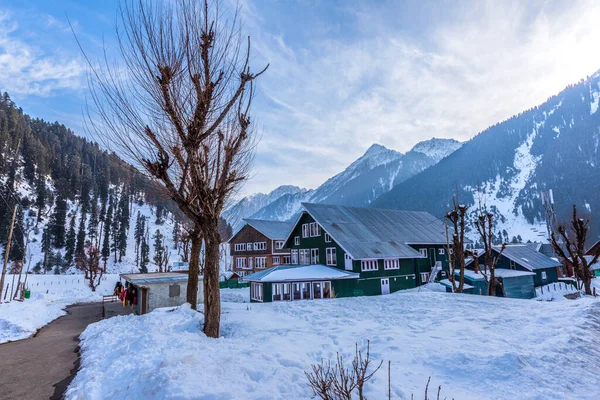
x: 42, y: 367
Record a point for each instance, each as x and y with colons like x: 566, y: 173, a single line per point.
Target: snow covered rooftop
x: 378, y: 233
x: 271, y: 229
x: 155, y: 277
x: 528, y: 257
x: 297, y: 273
x: 447, y: 283
x: 499, y: 272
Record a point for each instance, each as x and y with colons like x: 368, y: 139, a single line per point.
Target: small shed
x: 468, y: 289
x: 160, y: 289
x: 520, y: 257
x: 517, y: 284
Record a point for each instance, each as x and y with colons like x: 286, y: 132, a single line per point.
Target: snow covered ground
x: 50, y: 295
x: 475, y: 347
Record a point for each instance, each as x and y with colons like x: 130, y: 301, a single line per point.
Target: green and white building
x: 339, y: 251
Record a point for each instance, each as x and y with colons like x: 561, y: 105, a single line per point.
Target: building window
x: 256, y: 291
x: 423, y: 252
x: 304, y: 256
x: 297, y: 240
x: 294, y: 257
x: 327, y: 238
x: 241, y: 273
x: 260, y: 262
x: 368, y: 265
x: 276, y: 260
x: 391, y: 264
x: 304, y: 230
x: 249, y: 247
x: 240, y: 262
x: 314, y: 256
x: 331, y: 256
x: 424, y: 276
x: 239, y: 247
x: 279, y: 244
x: 288, y: 259
x: 441, y: 252
x: 544, y: 276
x: 260, y: 245
x: 451, y: 251
x: 315, y: 229
x: 513, y: 265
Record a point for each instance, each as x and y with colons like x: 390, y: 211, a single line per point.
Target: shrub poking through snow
x: 340, y: 382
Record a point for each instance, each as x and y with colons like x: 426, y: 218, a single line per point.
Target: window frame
x: 391, y: 264
x: 423, y: 252
x: 288, y: 261
x: 238, y: 263
x: 296, y: 240
x: 331, y: 256
x: 279, y: 244
x: 367, y: 265
x: 314, y: 256
x: 260, y: 262
x: 276, y: 260
x: 256, y: 288
x: 305, y: 230
x: 442, y: 252
x: 327, y: 238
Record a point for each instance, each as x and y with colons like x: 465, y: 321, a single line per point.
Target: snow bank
x: 554, y: 291
x: 50, y: 295
x: 468, y: 344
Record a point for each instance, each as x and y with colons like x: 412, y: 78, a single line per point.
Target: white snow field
x: 50, y: 295
x: 475, y: 347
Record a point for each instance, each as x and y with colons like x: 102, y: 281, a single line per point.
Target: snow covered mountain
x: 552, y: 146
x: 374, y: 173
x: 250, y: 205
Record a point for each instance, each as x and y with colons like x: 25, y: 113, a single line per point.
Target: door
x: 249, y: 262
x: 347, y: 262
x: 385, y: 286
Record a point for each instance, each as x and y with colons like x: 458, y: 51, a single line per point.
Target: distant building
x: 160, y: 289
x: 259, y: 245
x: 520, y: 257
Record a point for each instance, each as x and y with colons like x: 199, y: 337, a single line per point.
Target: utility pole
x: 12, y: 225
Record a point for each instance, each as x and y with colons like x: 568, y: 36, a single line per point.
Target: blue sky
x: 343, y: 74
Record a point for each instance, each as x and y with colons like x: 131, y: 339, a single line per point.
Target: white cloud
x: 29, y: 70
x: 325, y: 101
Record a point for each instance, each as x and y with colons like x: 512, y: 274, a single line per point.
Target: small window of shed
x: 174, y: 290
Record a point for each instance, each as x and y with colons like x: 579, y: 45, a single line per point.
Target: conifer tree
x: 105, y: 253
x: 46, y: 247
x: 158, y: 247
x: 80, y: 248
x: 58, y: 221
x: 145, y: 254
x: 70, y: 244
x: 93, y: 222
x: 40, y: 198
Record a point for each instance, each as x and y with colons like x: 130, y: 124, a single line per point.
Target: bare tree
x: 484, y: 223
x: 179, y: 107
x: 89, y: 263
x: 455, y: 248
x: 574, y: 236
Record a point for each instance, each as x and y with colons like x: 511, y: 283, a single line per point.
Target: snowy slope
x: 555, y: 145
x: 475, y: 347
x: 367, y: 178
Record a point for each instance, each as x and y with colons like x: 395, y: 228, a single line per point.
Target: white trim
x: 256, y: 289
x: 331, y: 252
x: 327, y: 238
x: 441, y: 252
x: 296, y: 240
x: 305, y: 231
x: 391, y: 263
x: 314, y: 256
x: 369, y: 265
x: 423, y: 252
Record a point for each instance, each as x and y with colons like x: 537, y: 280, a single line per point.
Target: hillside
x: 552, y: 146
x: 72, y: 195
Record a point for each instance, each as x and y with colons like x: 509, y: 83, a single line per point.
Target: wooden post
x: 12, y: 225
x: 25, y: 281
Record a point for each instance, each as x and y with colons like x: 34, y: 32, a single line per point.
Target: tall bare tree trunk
x: 194, y: 269
x: 212, y: 295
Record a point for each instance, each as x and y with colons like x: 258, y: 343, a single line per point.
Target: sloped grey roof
x: 527, y: 257
x: 271, y: 229
x: 299, y: 273
x: 378, y: 233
